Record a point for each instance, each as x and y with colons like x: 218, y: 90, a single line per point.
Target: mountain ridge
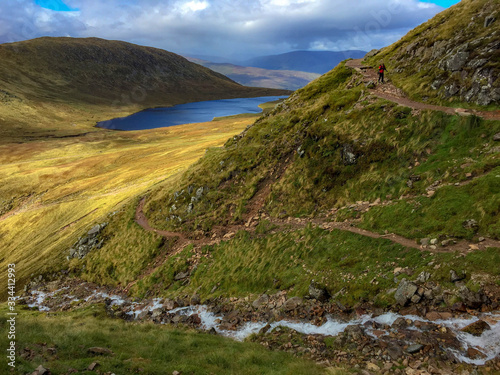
x: 307, y: 61
x: 85, y: 73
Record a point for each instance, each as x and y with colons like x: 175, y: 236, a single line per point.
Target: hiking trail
x: 390, y: 92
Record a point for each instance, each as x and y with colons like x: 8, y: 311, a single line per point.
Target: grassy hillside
x: 54, y: 190
x: 67, y: 84
x: 60, y: 342
x: 331, y: 151
x: 453, y: 58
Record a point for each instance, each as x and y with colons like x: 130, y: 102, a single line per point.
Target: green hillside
x: 332, y: 153
x: 454, y: 58
x: 68, y: 84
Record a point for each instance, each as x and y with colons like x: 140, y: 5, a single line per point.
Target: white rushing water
x: 488, y: 343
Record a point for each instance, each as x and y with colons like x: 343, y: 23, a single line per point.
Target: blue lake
x: 187, y: 113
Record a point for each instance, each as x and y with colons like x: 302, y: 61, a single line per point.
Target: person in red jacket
x: 381, y: 70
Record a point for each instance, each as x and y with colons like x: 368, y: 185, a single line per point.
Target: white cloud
x: 222, y: 27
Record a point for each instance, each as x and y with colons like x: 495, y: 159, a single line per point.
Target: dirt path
x: 390, y: 92
x: 255, y: 207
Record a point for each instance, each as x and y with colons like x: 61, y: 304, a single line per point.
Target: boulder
x: 457, y: 61
x: 261, y: 301
x: 476, y: 328
x: 454, y: 277
x: 496, y: 137
x: 292, y: 303
x: 423, y: 277
x: 470, y: 224
x: 354, y: 332
x: 406, y: 290
x: 472, y: 299
x: 318, y: 292
x: 415, y: 348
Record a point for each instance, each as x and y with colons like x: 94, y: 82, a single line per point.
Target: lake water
x: 187, y: 113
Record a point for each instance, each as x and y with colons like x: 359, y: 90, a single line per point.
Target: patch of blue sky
x: 57, y: 5
x: 442, y: 3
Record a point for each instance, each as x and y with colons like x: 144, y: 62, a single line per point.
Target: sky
x: 233, y: 29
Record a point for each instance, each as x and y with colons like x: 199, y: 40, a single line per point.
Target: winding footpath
x: 255, y: 207
x: 390, y: 92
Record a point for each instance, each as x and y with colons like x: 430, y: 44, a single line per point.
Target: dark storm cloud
x: 222, y: 27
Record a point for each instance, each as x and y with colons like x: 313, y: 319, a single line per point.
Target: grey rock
x: 496, y: 137
x: 372, y: 53
x: 451, y: 90
x: 190, y: 208
x: 300, y: 152
x: 292, y: 303
x: 472, y: 299
x: 454, y: 277
x: 406, y: 290
x: 488, y: 21
x: 424, y: 241
x: 423, y: 277
x: 318, y: 292
x: 200, y: 192
x: 470, y: 224
x: 415, y: 348
x: 181, y: 275
x: 370, y: 85
x: 395, y: 351
x: 354, y: 332
x: 348, y: 155
x: 436, y: 84
x: 94, y: 231
x: 457, y: 61
x: 263, y: 300
x: 40, y: 370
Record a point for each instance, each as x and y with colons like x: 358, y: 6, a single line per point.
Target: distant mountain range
x: 258, y: 77
x: 290, y: 71
x: 318, y: 62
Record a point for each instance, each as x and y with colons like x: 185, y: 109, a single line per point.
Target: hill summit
x: 47, y: 74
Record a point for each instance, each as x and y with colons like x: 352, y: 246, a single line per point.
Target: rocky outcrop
x: 462, y: 65
x: 85, y: 244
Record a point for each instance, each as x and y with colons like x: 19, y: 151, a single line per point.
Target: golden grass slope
x: 53, y: 190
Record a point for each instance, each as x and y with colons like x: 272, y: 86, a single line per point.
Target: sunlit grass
x: 53, y: 190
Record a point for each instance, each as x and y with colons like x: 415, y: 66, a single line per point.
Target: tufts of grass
x: 61, y: 341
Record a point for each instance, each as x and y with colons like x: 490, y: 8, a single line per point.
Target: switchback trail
x: 256, y: 211
x: 390, y: 92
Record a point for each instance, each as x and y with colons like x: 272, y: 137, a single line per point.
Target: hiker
x: 381, y: 70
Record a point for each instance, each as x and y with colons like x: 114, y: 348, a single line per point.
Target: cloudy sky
x: 235, y: 29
